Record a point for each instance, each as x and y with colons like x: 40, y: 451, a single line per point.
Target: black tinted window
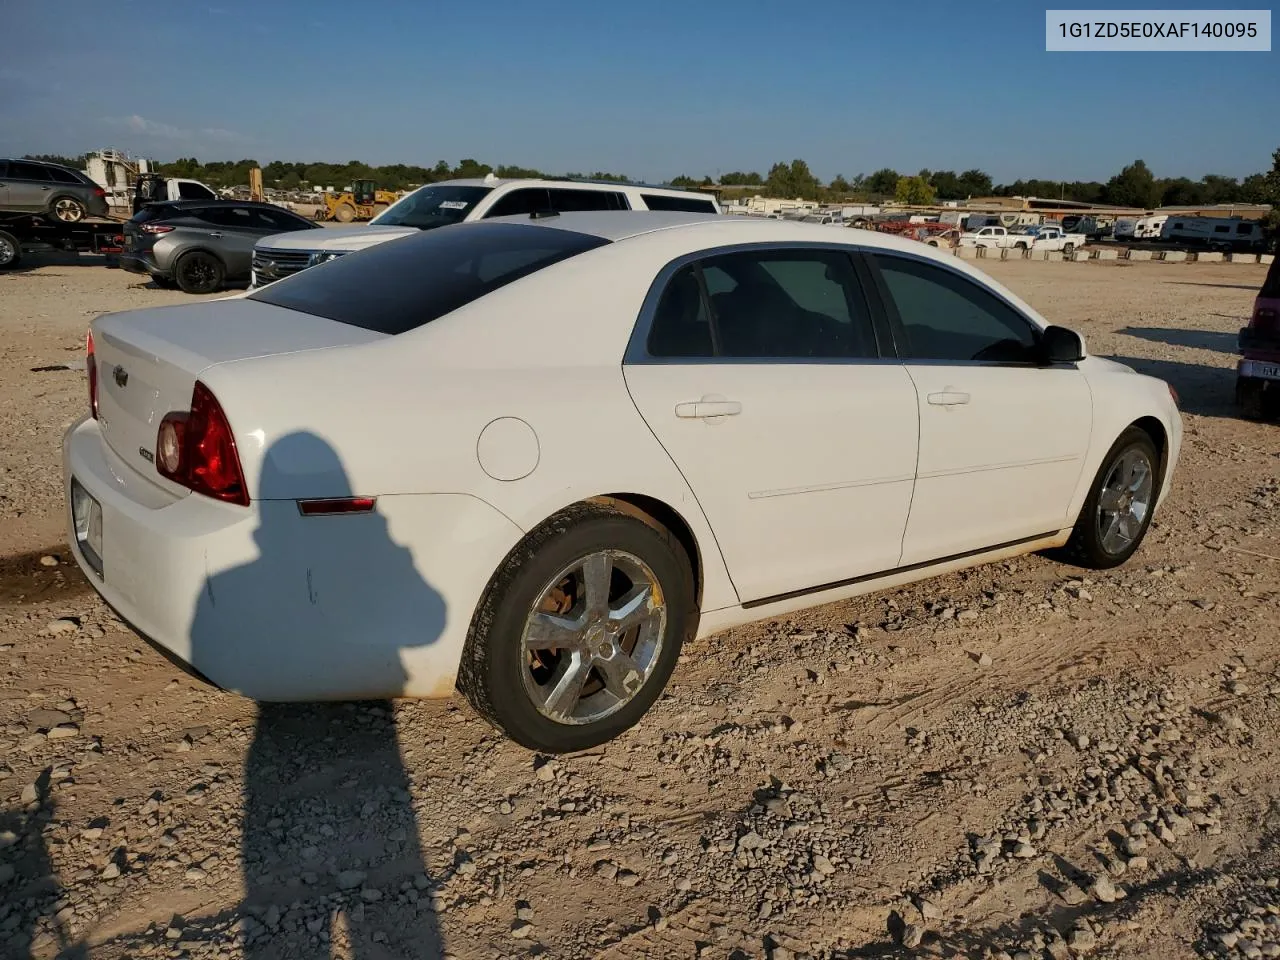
x: 60, y: 175
x: 949, y: 317
x: 658, y: 201
x: 157, y: 211
x: 194, y: 191
x: 520, y: 203
x: 21, y: 170
x: 403, y: 284
x: 568, y: 201
x: 781, y: 304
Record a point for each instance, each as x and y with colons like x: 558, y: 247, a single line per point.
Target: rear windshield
x: 432, y: 207
x: 401, y: 285
x: 155, y: 211
x: 1271, y: 286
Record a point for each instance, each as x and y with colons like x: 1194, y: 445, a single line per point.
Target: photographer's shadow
x: 330, y: 851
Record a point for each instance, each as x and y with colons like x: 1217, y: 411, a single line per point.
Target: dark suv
x: 57, y: 192
x: 200, y: 245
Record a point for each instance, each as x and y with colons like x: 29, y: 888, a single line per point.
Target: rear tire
x: 379, y: 209
x: 514, y: 664
x: 67, y: 210
x: 10, y: 250
x: 345, y: 213
x: 1117, y: 512
x: 199, y: 272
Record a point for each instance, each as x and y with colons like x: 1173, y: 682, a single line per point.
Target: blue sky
x: 652, y: 90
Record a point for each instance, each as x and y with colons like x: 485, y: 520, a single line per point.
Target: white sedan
x: 532, y: 457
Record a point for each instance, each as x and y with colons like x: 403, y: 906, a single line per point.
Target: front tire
x: 68, y: 210
x: 580, y: 628
x: 199, y: 272
x: 10, y: 250
x: 1117, y: 512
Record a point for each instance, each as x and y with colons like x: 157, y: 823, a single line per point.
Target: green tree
x: 470, y: 168
x: 1180, y: 191
x: 975, y: 183
x: 1134, y: 186
x: 1220, y: 189
x: 947, y: 185
x: 738, y: 178
x: 882, y: 183
x: 792, y: 180
x: 840, y: 186
x: 914, y: 191
x: 683, y: 181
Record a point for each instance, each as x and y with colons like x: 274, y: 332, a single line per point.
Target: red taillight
x: 91, y: 367
x: 198, y: 450
x: 156, y: 228
x: 99, y: 192
x: 336, y: 505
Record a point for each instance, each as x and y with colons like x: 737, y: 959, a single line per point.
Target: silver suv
x: 57, y: 192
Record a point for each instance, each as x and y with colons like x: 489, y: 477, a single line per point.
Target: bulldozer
x: 363, y: 201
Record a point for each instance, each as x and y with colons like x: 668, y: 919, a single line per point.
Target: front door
x: 1002, y: 436
x: 761, y: 376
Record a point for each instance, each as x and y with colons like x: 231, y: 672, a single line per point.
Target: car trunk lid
x: 148, y: 362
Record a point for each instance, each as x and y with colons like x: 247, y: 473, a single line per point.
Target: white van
x: 462, y: 201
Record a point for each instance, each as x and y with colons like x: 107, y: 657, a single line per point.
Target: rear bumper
x: 136, y: 263
x: 280, y: 607
x: 1264, y: 345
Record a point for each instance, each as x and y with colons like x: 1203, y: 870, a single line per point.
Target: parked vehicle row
x: 803, y: 415
x: 466, y: 201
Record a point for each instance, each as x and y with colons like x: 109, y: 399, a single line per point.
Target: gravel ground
x: 1019, y: 761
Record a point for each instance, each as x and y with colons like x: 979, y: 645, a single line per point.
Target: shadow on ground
x: 1196, y: 339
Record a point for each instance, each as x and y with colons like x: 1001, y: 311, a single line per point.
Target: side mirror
x: 1060, y: 345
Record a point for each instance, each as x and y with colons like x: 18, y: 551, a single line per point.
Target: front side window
x: 948, y: 317
x: 520, y: 202
x: 765, y: 304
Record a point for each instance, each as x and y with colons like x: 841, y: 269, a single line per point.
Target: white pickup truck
x: 995, y: 237
x: 1055, y: 238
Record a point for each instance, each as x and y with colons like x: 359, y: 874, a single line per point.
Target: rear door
x: 235, y: 231
x: 760, y: 372
x: 1002, y: 436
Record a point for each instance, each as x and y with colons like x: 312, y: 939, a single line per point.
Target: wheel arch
x: 653, y: 509
x: 1159, y: 435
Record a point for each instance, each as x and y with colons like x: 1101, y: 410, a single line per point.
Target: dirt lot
x: 1019, y: 761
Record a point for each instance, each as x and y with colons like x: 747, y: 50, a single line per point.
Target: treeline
x: 1134, y: 186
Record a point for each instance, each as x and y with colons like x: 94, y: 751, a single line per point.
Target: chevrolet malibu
x: 530, y: 458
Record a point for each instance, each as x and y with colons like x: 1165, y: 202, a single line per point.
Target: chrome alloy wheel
x: 68, y: 210
x: 593, y: 637
x: 1125, y: 500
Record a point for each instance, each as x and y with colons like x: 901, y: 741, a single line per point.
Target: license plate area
x: 1264, y: 371
x: 86, y: 517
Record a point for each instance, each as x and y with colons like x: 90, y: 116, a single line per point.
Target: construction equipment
x: 363, y: 201
x: 255, y: 185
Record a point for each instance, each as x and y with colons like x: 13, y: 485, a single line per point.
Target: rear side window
x: 400, y: 285
x: 766, y: 304
x: 520, y: 202
x: 65, y: 176
x: 571, y: 201
x: 658, y: 201
x: 156, y: 211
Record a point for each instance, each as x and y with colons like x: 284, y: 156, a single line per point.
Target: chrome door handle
x: 215, y: 236
x: 701, y: 409
x: 948, y: 398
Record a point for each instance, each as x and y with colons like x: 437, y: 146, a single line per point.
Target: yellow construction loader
x: 362, y: 202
